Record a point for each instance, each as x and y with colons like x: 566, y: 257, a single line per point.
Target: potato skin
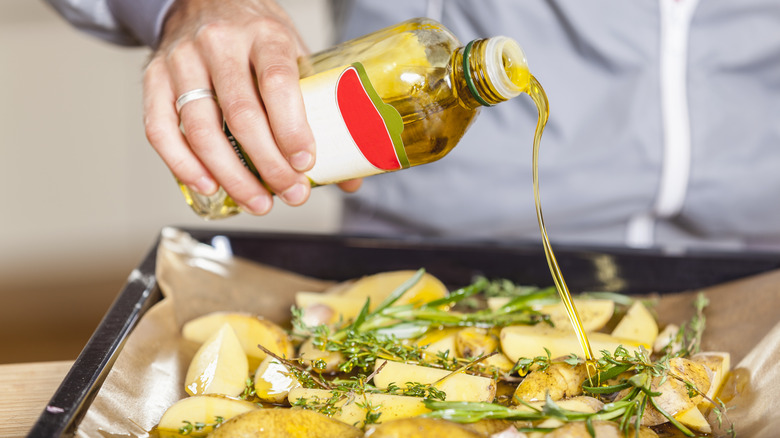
x: 285, y: 423
x: 420, y: 428
x: 559, y: 380
x: 603, y: 429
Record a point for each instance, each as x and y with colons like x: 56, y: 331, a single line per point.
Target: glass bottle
x: 399, y: 97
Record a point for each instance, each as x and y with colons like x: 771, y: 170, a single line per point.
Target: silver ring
x: 198, y: 93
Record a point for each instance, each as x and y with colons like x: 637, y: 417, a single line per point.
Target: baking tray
x: 344, y: 257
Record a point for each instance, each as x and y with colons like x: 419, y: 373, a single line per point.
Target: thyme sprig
x: 379, y: 333
x: 189, y: 427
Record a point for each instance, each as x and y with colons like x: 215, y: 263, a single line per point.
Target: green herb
x: 198, y: 426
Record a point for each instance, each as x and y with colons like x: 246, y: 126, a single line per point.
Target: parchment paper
x: 742, y: 318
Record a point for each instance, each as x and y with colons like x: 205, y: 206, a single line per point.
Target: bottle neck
x: 489, y: 71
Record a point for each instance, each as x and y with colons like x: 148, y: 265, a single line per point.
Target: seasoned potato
x: 694, y: 419
x: 439, y: 341
x: 559, y: 380
x: 719, y: 363
x: 273, y: 381
x: 604, y: 429
x: 353, y: 409
x: 219, y: 366
x: 594, y: 314
x: 250, y: 329
x: 312, y: 354
x: 472, y: 342
x: 458, y: 387
x: 380, y: 286
x: 420, y: 428
x: 285, y: 423
x: 674, y: 397
x: 530, y: 341
x: 202, y: 409
x: 638, y: 325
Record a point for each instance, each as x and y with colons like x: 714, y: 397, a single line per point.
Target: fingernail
x: 259, y: 205
x: 205, y: 186
x: 294, y: 195
x: 301, y: 161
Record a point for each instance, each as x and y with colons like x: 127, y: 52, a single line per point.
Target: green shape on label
x: 393, y: 120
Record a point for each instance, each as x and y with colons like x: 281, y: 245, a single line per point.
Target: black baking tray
x: 343, y: 257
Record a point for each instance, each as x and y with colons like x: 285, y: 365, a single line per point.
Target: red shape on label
x: 364, y: 122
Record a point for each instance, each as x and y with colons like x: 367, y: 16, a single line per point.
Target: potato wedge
x: 439, y: 341
x: 719, y: 363
x: 559, y: 380
x: 457, y: 387
x: 421, y: 428
x: 380, y: 286
x: 202, y: 409
x: 344, y: 307
x: 694, y: 419
x: 285, y: 423
x: 352, y: 409
x: 530, y: 341
x: 219, y: 366
x: 603, y: 429
x: 312, y: 354
x: 638, y: 325
x: 250, y: 329
x: 273, y: 381
x: 594, y: 313
x: 675, y: 397
x: 473, y: 342
x: 580, y: 403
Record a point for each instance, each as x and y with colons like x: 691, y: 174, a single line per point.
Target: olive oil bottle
x: 399, y: 97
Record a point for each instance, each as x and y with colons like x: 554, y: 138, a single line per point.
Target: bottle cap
x: 506, y: 63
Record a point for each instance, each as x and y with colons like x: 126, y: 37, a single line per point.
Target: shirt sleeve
x: 124, y: 22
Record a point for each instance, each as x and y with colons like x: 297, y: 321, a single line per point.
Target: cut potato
x: 380, y: 286
x: 531, y: 340
x: 694, y: 419
x: 439, y: 341
x: 285, y: 423
x: 219, y: 366
x: 353, y: 408
x: 473, y: 342
x: 457, y: 387
x: 666, y: 337
x: 638, y: 325
x: 421, y: 428
x: 250, y: 329
x: 500, y: 362
x: 202, y: 409
x: 675, y: 396
x: 343, y: 307
x: 559, y: 380
x: 273, y: 381
x: 602, y: 429
x: 594, y: 313
x: 312, y: 354
x: 719, y: 363
x: 580, y: 403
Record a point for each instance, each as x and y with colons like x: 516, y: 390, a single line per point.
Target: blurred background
x: 86, y: 196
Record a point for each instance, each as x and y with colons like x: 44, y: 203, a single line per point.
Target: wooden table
x: 25, y: 389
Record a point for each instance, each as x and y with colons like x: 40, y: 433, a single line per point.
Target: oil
x: 537, y: 94
x: 421, y: 74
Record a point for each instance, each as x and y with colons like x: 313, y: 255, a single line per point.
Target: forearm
x: 125, y: 22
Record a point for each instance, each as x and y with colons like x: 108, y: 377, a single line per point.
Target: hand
x: 247, y: 52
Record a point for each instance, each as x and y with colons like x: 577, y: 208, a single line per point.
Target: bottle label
x: 356, y: 133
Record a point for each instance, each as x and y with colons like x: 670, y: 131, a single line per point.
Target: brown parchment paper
x: 742, y: 318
